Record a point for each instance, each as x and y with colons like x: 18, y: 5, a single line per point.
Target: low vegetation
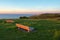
x: 43, y: 16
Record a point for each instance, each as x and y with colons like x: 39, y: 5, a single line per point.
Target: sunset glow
x: 28, y: 6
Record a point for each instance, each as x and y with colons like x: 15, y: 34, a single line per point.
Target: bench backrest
x: 22, y: 26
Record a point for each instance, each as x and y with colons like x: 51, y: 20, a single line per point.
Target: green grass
x: 45, y: 30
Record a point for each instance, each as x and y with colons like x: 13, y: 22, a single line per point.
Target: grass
x: 45, y: 30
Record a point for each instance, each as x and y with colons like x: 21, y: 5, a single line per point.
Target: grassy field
x: 45, y: 30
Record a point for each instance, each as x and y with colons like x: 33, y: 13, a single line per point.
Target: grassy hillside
x: 45, y: 30
x: 45, y: 16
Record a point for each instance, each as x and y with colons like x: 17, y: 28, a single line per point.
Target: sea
x: 13, y: 16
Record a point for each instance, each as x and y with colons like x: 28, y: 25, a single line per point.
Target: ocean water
x: 13, y: 16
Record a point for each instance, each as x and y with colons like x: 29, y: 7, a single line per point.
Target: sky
x: 29, y: 6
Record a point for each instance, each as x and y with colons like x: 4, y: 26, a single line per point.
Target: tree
x: 23, y: 17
